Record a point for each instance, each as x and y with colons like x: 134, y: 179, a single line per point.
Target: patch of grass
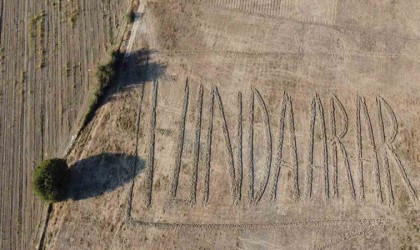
x: 36, y: 37
x: 73, y: 18
x: 1, y: 98
x: 74, y: 14
x: 126, y: 121
x: 22, y: 77
x: 74, y: 71
x: 22, y: 83
x: 105, y: 75
x: 40, y: 33
x: 110, y: 30
x: 130, y: 16
x: 31, y: 29
x: 2, y: 56
x: 18, y: 219
x: 67, y: 70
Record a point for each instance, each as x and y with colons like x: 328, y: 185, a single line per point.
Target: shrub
x: 50, y: 180
x: 106, y: 74
x: 130, y: 16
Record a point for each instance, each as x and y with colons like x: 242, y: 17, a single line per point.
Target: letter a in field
x: 286, y: 120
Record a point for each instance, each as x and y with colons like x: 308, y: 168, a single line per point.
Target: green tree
x: 50, y: 180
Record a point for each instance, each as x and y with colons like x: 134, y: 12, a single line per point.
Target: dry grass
x: 74, y: 14
x: 105, y: 75
x: 36, y: 38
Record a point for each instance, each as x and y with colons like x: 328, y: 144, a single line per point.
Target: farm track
x: 41, y: 104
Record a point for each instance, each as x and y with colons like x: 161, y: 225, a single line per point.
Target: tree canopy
x: 50, y: 180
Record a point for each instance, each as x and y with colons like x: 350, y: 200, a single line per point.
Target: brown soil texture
x: 48, y: 54
x: 254, y: 125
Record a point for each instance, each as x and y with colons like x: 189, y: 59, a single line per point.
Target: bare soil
x: 255, y: 125
x: 48, y: 54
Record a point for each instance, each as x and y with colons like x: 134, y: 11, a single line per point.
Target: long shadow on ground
x: 139, y: 67
x: 133, y: 69
x: 102, y: 173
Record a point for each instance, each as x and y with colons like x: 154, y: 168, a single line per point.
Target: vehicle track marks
x: 238, y: 160
x: 388, y: 185
x: 337, y: 144
x: 208, y: 152
x: 317, y: 106
x: 390, y: 149
x: 361, y: 105
x: 268, y: 148
x: 229, y: 154
x: 131, y: 190
x: 149, y: 173
x: 279, y: 162
x: 193, y: 187
x: 180, y: 142
x: 250, y: 157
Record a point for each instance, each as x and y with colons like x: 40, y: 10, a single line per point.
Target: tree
x: 50, y: 180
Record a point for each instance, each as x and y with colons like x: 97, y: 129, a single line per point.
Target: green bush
x: 50, y: 180
x: 130, y: 16
x: 106, y: 74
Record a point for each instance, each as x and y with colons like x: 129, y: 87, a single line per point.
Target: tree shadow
x: 138, y: 67
x: 96, y: 175
x: 131, y: 69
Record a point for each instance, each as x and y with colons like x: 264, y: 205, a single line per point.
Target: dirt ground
x: 48, y: 52
x: 254, y: 125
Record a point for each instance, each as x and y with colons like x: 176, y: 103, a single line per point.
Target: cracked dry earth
x: 256, y: 125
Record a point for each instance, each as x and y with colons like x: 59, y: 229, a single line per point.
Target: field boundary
x: 230, y: 226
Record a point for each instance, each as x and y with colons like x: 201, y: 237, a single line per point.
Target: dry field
x: 48, y: 52
x: 254, y: 125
